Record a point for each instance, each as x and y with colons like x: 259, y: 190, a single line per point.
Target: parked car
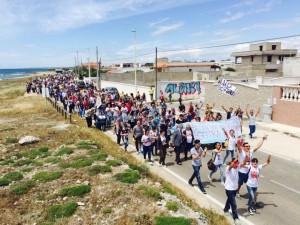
x: 110, y: 90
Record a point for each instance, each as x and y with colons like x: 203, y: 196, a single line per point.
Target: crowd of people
x: 157, y: 131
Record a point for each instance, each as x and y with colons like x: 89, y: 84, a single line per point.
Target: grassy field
x: 75, y: 174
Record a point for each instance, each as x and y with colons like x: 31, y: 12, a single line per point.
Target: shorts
x: 243, y: 178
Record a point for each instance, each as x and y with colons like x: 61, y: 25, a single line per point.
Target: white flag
x: 226, y: 88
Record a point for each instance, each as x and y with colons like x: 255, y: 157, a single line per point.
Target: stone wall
x: 255, y: 97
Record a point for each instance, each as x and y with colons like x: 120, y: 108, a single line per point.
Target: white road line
x: 214, y: 200
x: 286, y: 187
x: 283, y: 157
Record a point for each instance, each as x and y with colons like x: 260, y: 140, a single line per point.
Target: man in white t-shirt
x: 231, y: 147
x: 252, y: 182
x: 242, y: 152
x: 252, y: 119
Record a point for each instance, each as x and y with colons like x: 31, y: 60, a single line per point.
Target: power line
x: 109, y: 60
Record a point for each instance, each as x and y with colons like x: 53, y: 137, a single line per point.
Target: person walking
x: 231, y: 146
x: 146, y: 140
x: 89, y: 116
x: 197, y: 152
x: 162, y: 146
x: 124, y: 135
x: 218, y: 162
x: 231, y: 185
x: 254, y: 171
x: 188, y: 140
x: 252, y: 120
x: 151, y: 92
x: 117, y: 130
x: 137, y: 135
x: 177, y: 143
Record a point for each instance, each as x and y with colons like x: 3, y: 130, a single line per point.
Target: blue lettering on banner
x: 183, y: 88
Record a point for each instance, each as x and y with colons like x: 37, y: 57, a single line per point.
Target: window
x: 269, y: 58
x: 273, y: 47
x: 280, y: 58
x: 260, y: 48
x: 252, y: 58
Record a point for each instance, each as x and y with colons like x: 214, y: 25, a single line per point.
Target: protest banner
x: 226, y: 87
x: 211, y: 132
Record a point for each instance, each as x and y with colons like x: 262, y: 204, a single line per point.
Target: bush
x: 65, y: 151
x: 99, y: 169
x: 143, y: 169
x: 81, y: 163
x: 106, y: 210
x: 149, y: 191
x: 113, y: 162
x: 10, y: 140
x: 86, y: 145
x: 168, y: 220
x: 61, y: 211
x: 167, y: 188
x: 47, y: 176
x: 41, y: 152
x: 26, y: 170
x: 27, y: 162
x: 53, y: 160
x: 230, y: 69
x: 6, y: 162
x: 75, y: 191
x: 128, y: 176
x: 7, y: 129
x: 23, y: 187
x: 4, y: 181
x: 14, y: 176
x: 173, y: 206
x: 100, y: 156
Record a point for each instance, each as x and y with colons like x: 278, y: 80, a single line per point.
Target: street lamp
x: 134, y: 31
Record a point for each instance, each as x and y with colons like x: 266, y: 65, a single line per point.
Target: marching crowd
x: 157, y: 130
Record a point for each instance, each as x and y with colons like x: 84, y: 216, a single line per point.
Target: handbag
x: 210, y: 163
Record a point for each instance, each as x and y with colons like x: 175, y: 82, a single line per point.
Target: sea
x: 21, y: 72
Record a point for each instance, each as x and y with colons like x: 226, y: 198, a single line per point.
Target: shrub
x: 4, y: 181
x: 167, y: 188
x: 53, y: 160
x: 10, y: 140
x: 14, y: 176
x: 7, y: 129
x: 99, y: 169
x: 47, y: 176
x: 61, y: 211
x: 86, y: 145
x: 149, y: 191
x: 100, y: 156
x: 106, y: 210
x: 41, y: 152
x: 173, y: 206
x: 6, y: 162
x: 114, y: 162
x: 168, y: 220
x: 26, y: 170
x: 23, y: 187
x: 27, y: 162
x: 81, y: 163
x: 230, y: 69
x: 128, y: 176
x: 143, y: 169
x: 65, y: 151
x: 75, y: 191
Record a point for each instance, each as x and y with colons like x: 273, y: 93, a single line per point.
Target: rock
x: 86, y: 182
x: 93, y: 216
x: 28, y: 140
x: 65, y: 198
x: 78, y: 182
x: 80, y: 203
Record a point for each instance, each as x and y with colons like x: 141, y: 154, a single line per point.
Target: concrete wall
x: 284, y: 111
x: 281, y: 80
x: 291, y: 66
x: 255, y: 97
x: 187, y: 69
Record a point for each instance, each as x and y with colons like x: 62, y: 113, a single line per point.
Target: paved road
x: 279, y: 188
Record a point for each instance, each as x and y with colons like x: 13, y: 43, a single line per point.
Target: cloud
x: 158, y: 22
x: 166, y: 28
x: 197, y: 34
x: 232, y: 17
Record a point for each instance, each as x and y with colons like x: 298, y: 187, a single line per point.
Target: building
x: 264, y: 59
x: 163, y: 65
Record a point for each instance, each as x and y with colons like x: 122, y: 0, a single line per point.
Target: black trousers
x: 89, y: 121
x: 177, y: 151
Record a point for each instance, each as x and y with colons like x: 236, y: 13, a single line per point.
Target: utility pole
x: 134, y: 31
x: 156, y: 88
x: 75, y: 65
x: 97, y: 68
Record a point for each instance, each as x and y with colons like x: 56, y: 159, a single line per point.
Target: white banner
x: 226, y: 87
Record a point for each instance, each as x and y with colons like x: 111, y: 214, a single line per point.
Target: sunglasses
x: 247, y: 146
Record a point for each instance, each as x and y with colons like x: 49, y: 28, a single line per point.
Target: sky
x: 43, y: 33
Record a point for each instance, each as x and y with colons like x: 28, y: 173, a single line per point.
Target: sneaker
x: 237, y: 222
x: 209, y: 177
x: 165, y: 166
x: 137, y: 152
x: 227, y: 213
x: 250, y: 211
x: 203, y: 191
x: 238, y: 196
x: 190, y: 183
x: 169, y: 154
x: 160, y: 165
x: 253, y: 210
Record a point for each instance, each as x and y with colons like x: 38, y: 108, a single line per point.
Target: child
x: 124, y: 134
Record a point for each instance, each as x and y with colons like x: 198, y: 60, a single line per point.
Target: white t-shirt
x: 108, y: 111
x: 242, y: 156
x: 218, y: 159
x: 232, y: 143
x: 189, y: 137
x: 116, y: 109
x: 253, y: 175
x: 232, y: 179
x: 124, y: 111
x: 148, y: 138
x: 252, y: 120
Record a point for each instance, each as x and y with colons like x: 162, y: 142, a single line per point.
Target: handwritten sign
x: 226, y: 87
x: 187, y: 88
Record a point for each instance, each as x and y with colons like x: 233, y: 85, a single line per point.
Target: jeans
x: 227, y: 154
x: 221, y: 171
x: 177, y: 151
x: 251, y: 192
x: 197, y: 175
x: 125, y: 140
x: 147, y: 149
x: 230, y: 202
x: 252, y: 130
x: 109, y: 118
